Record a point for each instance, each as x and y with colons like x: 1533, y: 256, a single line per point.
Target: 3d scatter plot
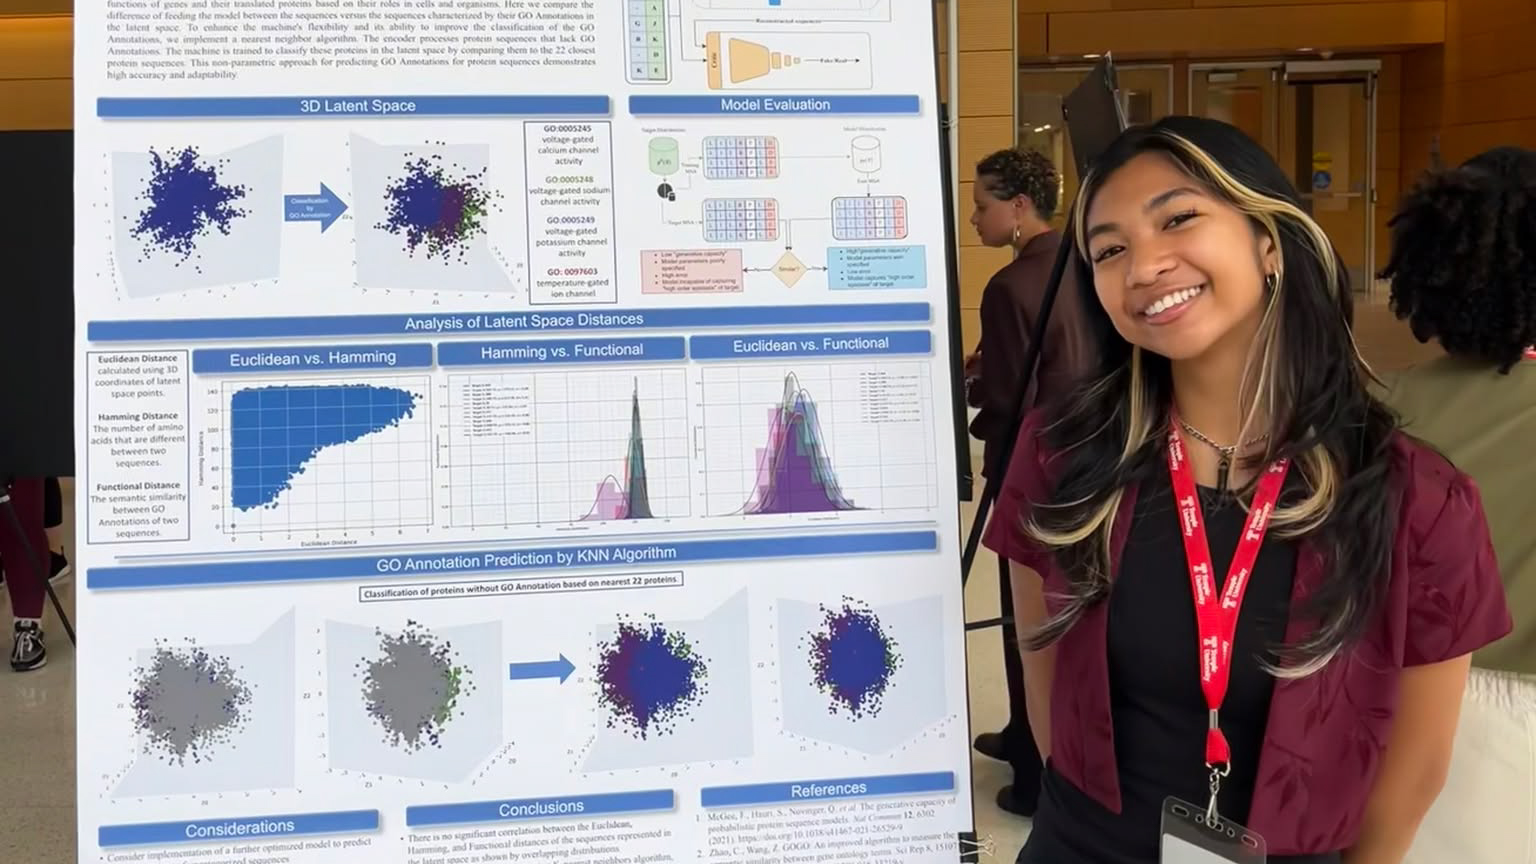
x: 852, y: 659
x: 188, y: 217
x: 437, y: 207
x: 412, y: 687
x: 185, y: 201
x: 187, y: 702
x: 651, y: 675
x: 275, y: 431
x: 673, y: 691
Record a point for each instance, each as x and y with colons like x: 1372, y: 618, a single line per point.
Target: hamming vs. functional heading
x: 524, y: 321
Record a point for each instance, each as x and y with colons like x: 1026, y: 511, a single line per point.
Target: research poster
x: 515, y: 430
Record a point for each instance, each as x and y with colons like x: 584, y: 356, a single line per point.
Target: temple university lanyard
x: 1217, y: 616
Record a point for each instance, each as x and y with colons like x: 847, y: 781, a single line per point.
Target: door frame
x: 1368, y: 71
x: 1275, y: 68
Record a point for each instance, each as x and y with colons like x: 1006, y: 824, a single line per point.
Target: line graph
x: 317, y: 454
x: 819, y: 438
x: 525, y: 448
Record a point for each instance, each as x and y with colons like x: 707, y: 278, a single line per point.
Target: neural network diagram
x: 817, y: 439
x: 324, y: 455
x: 189, y: 217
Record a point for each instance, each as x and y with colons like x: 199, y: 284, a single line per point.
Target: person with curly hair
x: 1015, y: 197
x: 1463, y: 273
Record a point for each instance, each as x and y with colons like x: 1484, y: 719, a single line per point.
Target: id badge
x: 1189, y: 838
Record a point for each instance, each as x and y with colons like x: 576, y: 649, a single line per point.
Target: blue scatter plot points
x: 183, y: 201
x: 276, y: 431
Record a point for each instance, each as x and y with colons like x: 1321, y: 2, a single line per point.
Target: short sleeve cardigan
x: 1326, y: 733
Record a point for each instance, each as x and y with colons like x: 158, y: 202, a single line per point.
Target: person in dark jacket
x: 1015, y: 196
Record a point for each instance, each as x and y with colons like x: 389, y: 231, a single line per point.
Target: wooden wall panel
x: 45, y: 103
x: 987, y: 81
x: 36, y: 56
x: 1234, y: 30
x: 985, y: 25
x: 981, y: 137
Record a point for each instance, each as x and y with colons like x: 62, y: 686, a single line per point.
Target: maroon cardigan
x: 1326, y: 733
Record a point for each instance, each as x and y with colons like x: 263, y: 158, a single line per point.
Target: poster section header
x: 739, y: 346
x: 547, y: 558
x: 800, y: 791
x: 212, y: 361
x: 184, y: 329
x: 255, y: 828
x: 642, y: 106
x: 148, y: 108
x: 608, y: 804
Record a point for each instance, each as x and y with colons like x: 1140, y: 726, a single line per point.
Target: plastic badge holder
x: 1189, y: 838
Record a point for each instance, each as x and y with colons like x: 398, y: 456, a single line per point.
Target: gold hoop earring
x: 1271, y: 281
x: 1015, y: 235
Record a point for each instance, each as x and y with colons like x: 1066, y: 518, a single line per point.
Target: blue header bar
x: 501, y: 560
x: 318, y: 107
x: 773, y: 106
x: 434, y: 324
x: 527, y: 809
x: 806, y: 791
x: 214, y: 361
x: 552, y: 351
x: 736, y: 347
x: 237, y: 829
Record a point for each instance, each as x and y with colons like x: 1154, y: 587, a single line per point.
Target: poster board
x: 515, y: 431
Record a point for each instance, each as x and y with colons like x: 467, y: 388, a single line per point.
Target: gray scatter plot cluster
x: 412, y: 687
x: 186, y: 702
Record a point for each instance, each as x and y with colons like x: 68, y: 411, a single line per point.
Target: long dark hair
x: 1305, y: 371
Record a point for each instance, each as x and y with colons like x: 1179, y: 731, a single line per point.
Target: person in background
x: 1015, y: 197
x: 22, y: 584
x: 59, y: 569
x: 1238, y: 583
x: 1463, y: 273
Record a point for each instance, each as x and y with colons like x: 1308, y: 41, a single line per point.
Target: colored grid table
x: 646, y: 31
x: 881, y: 217
x: 736, y: 220
x: 741, y: 157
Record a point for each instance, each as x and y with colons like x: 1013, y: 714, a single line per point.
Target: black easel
x: 15, y: 571
x: 1094, y: 118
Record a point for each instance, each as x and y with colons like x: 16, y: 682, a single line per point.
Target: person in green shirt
x: 1463, y: 273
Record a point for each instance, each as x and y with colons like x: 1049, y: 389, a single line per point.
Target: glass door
x: 1331, y: 153
x: 1247, y: 96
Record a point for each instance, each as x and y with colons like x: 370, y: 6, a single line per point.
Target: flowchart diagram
x: 748, y: 234
x: 755, y: 44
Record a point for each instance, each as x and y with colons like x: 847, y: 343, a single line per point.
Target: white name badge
x: 1188, y: 837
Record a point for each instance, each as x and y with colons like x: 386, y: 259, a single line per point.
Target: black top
x: 1159, y: 713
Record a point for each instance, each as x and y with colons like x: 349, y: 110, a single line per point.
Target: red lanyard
x: 1217, y: 617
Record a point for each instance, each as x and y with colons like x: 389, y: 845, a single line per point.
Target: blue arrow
x: 561, y: 669
x: 324, y: 208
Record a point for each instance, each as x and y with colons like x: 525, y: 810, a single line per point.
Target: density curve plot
x: 186, y: 218
x: 560, y: 447
x: 672, y: 692
x: 865, y: 677
x: 317, y: 454
x: 427, y: 217
x: 213, y: 718
x: 413, y: 700
x: 817, y: 438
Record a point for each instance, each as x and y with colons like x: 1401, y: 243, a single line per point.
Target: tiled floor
x: 37, y: 710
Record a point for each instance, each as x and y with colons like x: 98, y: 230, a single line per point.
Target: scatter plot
x: 412, y: 687
x: 187, y: 703
x: 323, y: 454
x: 411, y: 700
x: 852, y: 659
x: 429, y: 216
x: 650, y: 675
x: 211, y: 718
x: 436, y: 207
x: 672, y: 692
x: 864, y: 676
x: 187, y: 218
x: 184, y: 202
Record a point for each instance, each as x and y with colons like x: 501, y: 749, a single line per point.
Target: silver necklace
x: 1225, y: 451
